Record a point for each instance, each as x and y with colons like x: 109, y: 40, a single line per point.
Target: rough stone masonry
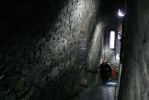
x: 39, y: 47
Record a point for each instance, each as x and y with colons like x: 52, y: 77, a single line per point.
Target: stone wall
x: 96, y: 45
x: 40, y: 47
x: 135, y: 55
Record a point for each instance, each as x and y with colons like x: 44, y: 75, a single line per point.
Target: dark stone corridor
x: 51, y: 49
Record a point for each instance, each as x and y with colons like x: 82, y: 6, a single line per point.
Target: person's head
x: 105, y: 61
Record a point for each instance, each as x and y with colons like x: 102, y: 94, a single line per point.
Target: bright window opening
x: 112, y: 40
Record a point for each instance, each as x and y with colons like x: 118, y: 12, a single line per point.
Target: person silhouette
x: 105, y: 71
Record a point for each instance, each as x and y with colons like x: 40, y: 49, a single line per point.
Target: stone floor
x: 98, y: 92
